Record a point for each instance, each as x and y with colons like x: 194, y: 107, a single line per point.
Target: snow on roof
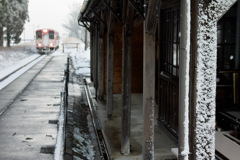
x: 71, y: 40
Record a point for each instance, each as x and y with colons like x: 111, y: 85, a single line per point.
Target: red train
x: 47, y: 40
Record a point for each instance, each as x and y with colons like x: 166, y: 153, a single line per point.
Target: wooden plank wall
x: 117, y: 64
x: 137, y: 62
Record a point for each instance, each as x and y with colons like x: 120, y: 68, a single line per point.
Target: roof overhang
x: 86, y: 14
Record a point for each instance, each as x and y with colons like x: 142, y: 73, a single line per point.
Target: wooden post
x: 110, y: 55
x: 77, y: 46
x: 150, y: 25
x: 96, y: 59
x: 126, y: 81
x: 101, y: 54
x: 148, y: 95
x: 184, y: 81
x: 91, y: 54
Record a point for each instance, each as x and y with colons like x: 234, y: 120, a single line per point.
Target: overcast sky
x: 48, y: 14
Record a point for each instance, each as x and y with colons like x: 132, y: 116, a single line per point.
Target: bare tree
x: 72, y: 25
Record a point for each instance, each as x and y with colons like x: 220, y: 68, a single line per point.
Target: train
x: 47, y: 40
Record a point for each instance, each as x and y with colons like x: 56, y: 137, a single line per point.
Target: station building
x: 181, y: 57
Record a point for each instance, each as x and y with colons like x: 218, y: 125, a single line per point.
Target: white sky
x: 48, y: 14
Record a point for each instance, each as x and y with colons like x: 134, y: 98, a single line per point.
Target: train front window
x: 38, y: 34
x: 51, y: 35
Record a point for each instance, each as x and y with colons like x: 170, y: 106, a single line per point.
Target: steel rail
x: 39, y: 59
x: 11, y: 71
x: 97, y: 128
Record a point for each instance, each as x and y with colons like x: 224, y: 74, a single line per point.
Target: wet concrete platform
x: 26, y: 128
x: 112, y: 130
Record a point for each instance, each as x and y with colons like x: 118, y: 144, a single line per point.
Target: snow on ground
x: 12, y: 55
x: 81, y: 60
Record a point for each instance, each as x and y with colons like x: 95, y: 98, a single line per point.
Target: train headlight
x: 51, y: 45
x: 39, y: 44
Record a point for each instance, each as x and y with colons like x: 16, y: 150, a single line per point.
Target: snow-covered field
x: 11, y: 57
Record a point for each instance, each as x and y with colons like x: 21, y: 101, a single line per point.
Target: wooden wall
x: 137, y: 60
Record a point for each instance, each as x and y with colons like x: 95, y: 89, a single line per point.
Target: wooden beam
x: 126, y: 81
x: 110, y: 62
x: 113, y: 12
x: 148, y: 94
x: 139, y: 11
x: 100, y: 19
x: 152, y: 15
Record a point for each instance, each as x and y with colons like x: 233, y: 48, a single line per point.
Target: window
x: 168, y: 91
x: 51, y: 34
x: 39, y: 35
x: 226, y: 46
x: 170, y: 42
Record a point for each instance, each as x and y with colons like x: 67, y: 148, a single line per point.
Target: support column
x: 126, y: 81
x: 184, y: 80
x: 204, y: 49
x: 101, y: 63
x: 110, y: 62
x: 149, y: 54
x: 148, y: 95
x: 91, y: 52
x: 1, y: 36
x: 96, y: 59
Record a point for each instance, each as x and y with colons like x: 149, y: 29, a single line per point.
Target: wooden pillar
x: 91, y: 53
x: 148, y: 95
x: 96, y: 51
x: 110, y: 62
x: 204, y: 50
x: 183, y: 125
x: 126, y: 81
x: 150, y: 25
x: 101, y: 63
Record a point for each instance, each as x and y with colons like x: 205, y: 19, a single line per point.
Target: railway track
x: 11, y: 73
x: 28, y: 106
x: 96, y: 124
x: 15, y: 88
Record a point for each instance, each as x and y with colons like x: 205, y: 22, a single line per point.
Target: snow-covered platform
x: 28, y: 129
x: 112, y: 130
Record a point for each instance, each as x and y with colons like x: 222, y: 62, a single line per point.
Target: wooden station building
x: 182, y: 55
